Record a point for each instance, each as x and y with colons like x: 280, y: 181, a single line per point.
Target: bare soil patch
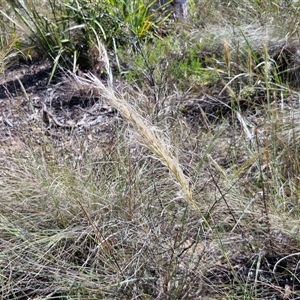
x: 29, y: 105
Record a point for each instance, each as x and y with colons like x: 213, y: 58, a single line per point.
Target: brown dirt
x: 29, y: 105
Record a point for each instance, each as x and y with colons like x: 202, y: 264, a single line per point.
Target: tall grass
x: 190, y: 191
x: 146, y: 133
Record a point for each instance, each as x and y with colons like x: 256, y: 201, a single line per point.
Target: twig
x: 283, y: 258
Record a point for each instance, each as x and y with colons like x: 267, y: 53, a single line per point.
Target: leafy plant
x: 66, y: 30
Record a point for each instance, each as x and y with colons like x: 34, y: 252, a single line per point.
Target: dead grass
x: 195, y: 195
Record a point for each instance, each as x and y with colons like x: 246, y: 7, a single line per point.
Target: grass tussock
x: 164, y: 165
x: 147, y: 134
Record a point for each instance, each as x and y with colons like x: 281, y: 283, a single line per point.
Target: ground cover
x: 149, y: 157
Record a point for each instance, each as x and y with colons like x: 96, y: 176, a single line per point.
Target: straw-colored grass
x: 188, y: 190
x: 145, y: 131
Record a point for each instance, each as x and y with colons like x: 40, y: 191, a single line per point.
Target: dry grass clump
x: 147, y: 133
x: 73, y: 230
x: 115, y: 224
x: 178, y: 203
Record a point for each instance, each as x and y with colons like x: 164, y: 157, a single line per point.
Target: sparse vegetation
x: 144, y: 157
